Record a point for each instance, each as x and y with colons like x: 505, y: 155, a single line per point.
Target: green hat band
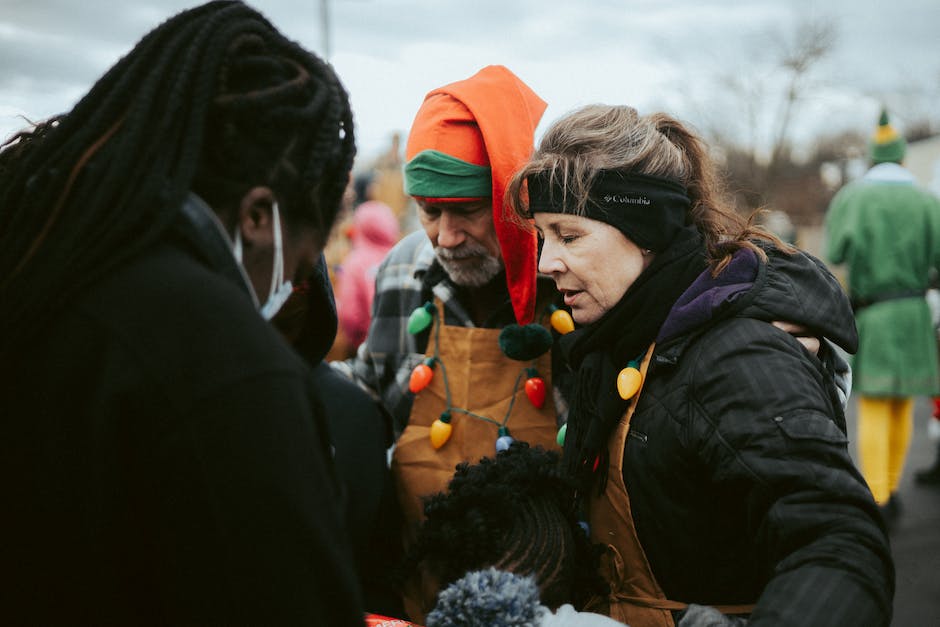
x: 434, y: 174
x: 888, y: 152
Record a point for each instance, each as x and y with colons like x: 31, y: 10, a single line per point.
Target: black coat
x: 361, y: 434
x: 741, y: 431
x: 164, y: 460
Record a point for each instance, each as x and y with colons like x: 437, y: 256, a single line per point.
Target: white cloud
x: 389, y: 53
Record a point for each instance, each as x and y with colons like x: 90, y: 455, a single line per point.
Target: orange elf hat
x: 489, y: 120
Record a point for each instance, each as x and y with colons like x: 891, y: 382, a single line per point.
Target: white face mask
x: 280, y: 289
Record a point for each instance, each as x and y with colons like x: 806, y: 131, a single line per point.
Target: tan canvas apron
x: 482, y: 380
x: 635, y: 598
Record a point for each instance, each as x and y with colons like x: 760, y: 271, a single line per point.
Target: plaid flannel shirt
x: 409, y: 277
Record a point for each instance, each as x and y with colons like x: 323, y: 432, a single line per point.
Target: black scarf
x: 599, y: 351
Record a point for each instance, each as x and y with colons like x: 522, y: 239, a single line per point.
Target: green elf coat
x: 886, y: 230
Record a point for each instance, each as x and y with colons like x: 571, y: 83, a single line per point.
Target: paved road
x: 915, y: 542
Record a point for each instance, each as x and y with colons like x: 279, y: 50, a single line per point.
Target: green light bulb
x: 420, y: 319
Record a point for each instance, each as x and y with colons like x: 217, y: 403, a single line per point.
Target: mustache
x: 465, y: 250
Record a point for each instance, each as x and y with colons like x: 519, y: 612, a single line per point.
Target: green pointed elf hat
x: 886, y: 145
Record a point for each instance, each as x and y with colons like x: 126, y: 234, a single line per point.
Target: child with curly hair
x: 505, y: 546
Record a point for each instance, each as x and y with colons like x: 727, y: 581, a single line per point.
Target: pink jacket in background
x: 375, y: 230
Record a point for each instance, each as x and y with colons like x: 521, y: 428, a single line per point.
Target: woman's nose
x: 549, y: 261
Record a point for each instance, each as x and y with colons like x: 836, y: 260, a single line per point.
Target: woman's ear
x: 255, y: 217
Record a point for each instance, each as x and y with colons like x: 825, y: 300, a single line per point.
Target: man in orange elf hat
x: 458, y: 302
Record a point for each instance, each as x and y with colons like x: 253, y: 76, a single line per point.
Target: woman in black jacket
x: 164, y: 458
x: 709, y: 444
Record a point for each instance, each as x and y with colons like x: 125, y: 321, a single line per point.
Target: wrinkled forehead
x: 555, y: 221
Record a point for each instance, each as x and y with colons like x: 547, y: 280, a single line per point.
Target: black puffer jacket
x: 740, y: 430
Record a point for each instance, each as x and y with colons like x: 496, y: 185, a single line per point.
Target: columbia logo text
x: 627, y: 200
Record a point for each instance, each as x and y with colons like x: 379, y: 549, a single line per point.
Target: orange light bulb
x: 420, y: 378
x: 421, y: 375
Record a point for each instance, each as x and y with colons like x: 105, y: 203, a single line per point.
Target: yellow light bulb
x: 561, y: 321
x: 628, y: 382
x: 440, y: 433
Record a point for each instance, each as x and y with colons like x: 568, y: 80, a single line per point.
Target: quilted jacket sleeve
x: 766, y: 422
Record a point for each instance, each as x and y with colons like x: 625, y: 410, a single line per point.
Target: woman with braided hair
x: 164, y: 458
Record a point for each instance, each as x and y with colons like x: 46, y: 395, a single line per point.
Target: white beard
x: 466, y: 274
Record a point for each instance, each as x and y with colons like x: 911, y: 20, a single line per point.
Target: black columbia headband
x: 649, y: 210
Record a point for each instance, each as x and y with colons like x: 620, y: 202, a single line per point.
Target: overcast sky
x: 668, y: 55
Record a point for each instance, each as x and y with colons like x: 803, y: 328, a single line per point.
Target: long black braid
x: 214, y: 100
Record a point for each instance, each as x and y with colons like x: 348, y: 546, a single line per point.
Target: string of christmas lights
x: 517, y: 342
x: 527, y: 341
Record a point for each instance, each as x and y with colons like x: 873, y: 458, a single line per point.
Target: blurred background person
x: 886, y: 230
x: 373, y: 183
x: 165, y: 459
x: 387, y: 183
x: 373, y: 232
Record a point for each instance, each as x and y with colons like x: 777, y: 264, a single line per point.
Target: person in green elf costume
x: 886, y: 230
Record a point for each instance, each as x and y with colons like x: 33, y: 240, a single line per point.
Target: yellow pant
x: 884, y: 433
